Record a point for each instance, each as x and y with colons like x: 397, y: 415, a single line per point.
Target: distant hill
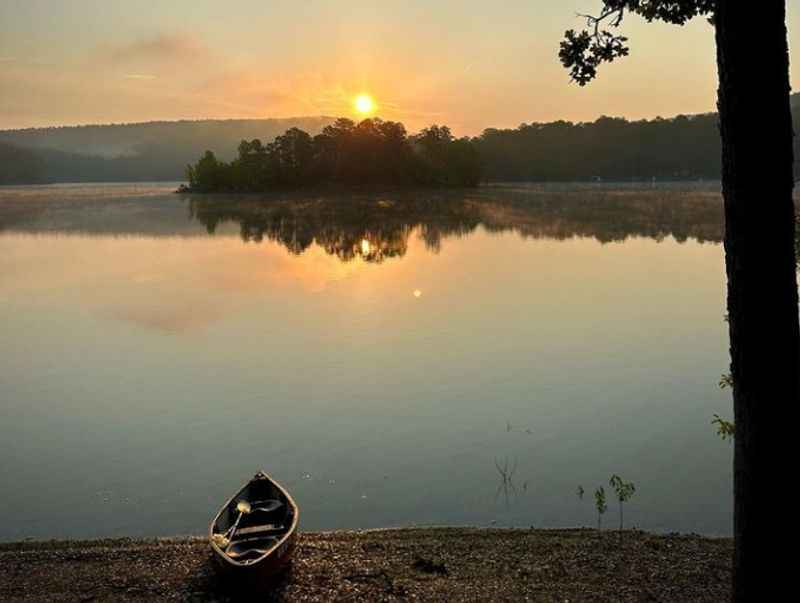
x: 684, y: 147
x: 19, y: 165
x: 116, y: 140
x: 135, y: 152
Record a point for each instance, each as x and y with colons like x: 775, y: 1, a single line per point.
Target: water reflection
x: 376, y: 228
x: 506, y: 487
x: 384, y: 342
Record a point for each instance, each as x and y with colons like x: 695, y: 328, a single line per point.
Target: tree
x: 757, y: 183
x: 600, y: 505
x: 250, y: 165
x: 432, y: 144
x: 293, y: 151
x: 206, y: 175
x: 624, y: 491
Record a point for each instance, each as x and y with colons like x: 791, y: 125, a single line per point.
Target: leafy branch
x: 583, y: 52
x: 725, y: 429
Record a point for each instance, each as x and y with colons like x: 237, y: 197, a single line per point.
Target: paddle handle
x: 235, y: 525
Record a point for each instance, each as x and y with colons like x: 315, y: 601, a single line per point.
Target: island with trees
x: 371, y: 152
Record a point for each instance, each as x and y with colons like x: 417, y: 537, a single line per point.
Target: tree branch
x: 583, y: 52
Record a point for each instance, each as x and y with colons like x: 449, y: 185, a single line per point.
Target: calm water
x: 379, y: 355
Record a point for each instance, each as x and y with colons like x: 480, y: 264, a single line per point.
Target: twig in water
x: 506, y: 472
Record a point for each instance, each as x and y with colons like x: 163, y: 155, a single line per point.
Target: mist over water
x: 379, y: 354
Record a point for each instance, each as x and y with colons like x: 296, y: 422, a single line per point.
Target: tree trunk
x: 757, y: 183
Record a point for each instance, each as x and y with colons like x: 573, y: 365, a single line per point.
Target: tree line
x: 609, y: 149
x: 372, y: 151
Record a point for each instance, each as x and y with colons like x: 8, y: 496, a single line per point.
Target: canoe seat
x: 265, y: 506
x: 266, y: 528
x: 250, y: 548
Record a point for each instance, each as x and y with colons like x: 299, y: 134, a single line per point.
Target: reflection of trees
x: 370, y: 228
x: 377, y: 227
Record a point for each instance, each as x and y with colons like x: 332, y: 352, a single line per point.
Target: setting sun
x: 364, y: 104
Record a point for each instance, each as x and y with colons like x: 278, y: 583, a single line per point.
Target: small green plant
x: 600, y: 505
x: 624, y: 492
x: 725, y: 429
x: 580, y: 492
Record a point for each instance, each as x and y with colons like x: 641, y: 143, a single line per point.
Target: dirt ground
x: 438, y: 564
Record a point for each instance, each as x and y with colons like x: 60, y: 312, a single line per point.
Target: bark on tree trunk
x: 757, y: 182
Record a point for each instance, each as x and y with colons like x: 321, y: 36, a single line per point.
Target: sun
x: 364, y: 104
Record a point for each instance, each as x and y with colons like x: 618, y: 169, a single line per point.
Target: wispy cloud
x: 27, y: 61
x: 161, y: 48
x: 139, y: 76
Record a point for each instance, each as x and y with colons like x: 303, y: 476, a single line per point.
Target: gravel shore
x: 437, y: 564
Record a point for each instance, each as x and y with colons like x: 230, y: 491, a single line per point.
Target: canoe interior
x: 259, y: 532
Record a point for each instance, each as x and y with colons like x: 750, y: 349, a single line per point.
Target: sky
x: 466, y: 63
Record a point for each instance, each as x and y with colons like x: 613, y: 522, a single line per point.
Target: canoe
x: 254, y: 533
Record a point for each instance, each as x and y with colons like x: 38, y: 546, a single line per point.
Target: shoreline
x: 394, y: 564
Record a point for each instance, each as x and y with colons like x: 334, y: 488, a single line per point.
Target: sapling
x: 624, y: 491
x: 600, y: 504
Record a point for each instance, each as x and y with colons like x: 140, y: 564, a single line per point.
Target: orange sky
x: 469, y: 64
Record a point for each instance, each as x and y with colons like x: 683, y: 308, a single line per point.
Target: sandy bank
x: 453, y: 564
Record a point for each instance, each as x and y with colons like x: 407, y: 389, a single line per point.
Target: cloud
x: 139, y: 76
x: 26, y: 62
x: 158, y: 49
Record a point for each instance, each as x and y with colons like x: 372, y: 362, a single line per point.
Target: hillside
x: 115, y: 140
x: 136, y: 152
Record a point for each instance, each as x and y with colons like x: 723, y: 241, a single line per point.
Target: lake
x: 386, y: 357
